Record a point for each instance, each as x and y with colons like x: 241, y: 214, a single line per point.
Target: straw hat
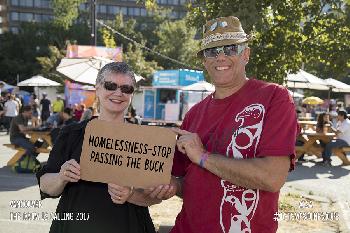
x: 222, y: 31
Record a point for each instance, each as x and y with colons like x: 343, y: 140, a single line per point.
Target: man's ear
x: 246, y: 54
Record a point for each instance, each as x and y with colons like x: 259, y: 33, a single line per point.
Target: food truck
x: 165, y: 100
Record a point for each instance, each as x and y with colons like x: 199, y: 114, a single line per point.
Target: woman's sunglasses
x: 111, y: 86
x: 228, y: 50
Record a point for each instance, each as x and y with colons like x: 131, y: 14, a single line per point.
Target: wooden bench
x: 21, y: 151
x: 340, y: 152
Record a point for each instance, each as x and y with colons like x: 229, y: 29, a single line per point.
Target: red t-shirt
x: 258, y: 120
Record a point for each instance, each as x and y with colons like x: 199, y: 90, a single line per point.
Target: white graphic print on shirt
x: 238, y: 204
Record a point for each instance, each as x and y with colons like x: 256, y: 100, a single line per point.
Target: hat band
x: 224, y: 36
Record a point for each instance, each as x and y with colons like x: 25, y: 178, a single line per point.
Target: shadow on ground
x: 164, y: 229
x: 313, y: 170
x: 12, y: 181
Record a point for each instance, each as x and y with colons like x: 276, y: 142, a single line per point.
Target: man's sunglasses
x: 228, y: 50
x: 111, y: 86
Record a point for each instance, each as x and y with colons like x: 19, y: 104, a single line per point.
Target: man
x: 343, y: 137
x: 60, y: 119
x: 57, y: 120
x: 19, y: 126
x: 1, y: 86
x: 45, y: 108
x: 11, y: 110
x: 237, y: 145
x: 58, y: 105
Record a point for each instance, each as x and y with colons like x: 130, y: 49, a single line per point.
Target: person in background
x: 131, y: 118
x: 323, y: 123
x: 11, y: 110
x: 79, y: 111
x: 2, y: 103
x: 19, y: 100
x: 58, y: 120
x: 88, y: 114
x: 45, y: 108
x: 1, y: 86
x: 58, y: 105
x: 19, y: 126
x: 34, y: 102
x: 112, y: 208
x: 236, y: 146
x: 342, y: 132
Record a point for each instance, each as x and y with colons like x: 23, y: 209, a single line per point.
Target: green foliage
x: 135, y: 58
x: 176, y: 40
x: 19, y: 52
x: 50, y: 63
x: 134, y: 55
x: 287, y: 34
x: 66, y: 12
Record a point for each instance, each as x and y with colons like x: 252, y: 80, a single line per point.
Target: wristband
x: 204, y: 158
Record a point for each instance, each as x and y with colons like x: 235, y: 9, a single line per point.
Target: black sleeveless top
x: 87, y: 206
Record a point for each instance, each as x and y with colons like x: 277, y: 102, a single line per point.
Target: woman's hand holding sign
x: 120, y: 194
x: 70, y: 171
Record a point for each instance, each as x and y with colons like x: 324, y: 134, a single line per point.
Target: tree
x: 50, y: 63
x: 66, y: 12
x: 176, y: 40
x: 133, y: 53
x: 134, y: 56
x: 287, y: 33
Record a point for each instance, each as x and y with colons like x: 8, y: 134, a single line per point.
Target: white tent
x: 200, y: 86
x: 38, y: 81
x: 6, y: 86
x: 295, y: 94
x: 337, y: 86
x: 305, y: 80
x: 84, y: 70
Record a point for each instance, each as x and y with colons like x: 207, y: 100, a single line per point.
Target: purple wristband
x: 204, y: 158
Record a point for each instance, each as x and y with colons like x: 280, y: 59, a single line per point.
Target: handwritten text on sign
x: 127, y: 154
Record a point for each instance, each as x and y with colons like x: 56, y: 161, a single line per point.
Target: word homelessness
x: 128, y: 146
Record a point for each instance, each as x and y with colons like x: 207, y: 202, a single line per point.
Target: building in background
x: 13, y: 12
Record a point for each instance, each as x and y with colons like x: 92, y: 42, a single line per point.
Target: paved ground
x: 308, y: 178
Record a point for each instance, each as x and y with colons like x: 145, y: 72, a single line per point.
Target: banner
x: 127, y: 154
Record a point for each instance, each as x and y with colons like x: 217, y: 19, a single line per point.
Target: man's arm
x: 24, y: 129
x: 266, y: 173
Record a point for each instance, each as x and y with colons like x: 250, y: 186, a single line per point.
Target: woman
x: 109, y: 207
x: 323, y: 123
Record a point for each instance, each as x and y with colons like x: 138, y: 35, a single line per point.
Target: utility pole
x: 93, y: 22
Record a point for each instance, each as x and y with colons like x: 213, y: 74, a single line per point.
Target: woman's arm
x: 54, y: 183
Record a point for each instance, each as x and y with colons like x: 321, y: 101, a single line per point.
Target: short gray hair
x: 115, y: 68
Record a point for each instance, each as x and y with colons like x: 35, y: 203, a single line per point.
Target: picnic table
x: 311, y: 145
x: 307, y: 125
x: 34, y: 136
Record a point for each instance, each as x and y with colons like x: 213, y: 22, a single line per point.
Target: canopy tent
x: 6, y: 86
x: 38, y: 81
x: 305, y: 80
x: 84, y: 70
x: 337, y: 86
x: 202, y: 86
x: 295, y: 94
